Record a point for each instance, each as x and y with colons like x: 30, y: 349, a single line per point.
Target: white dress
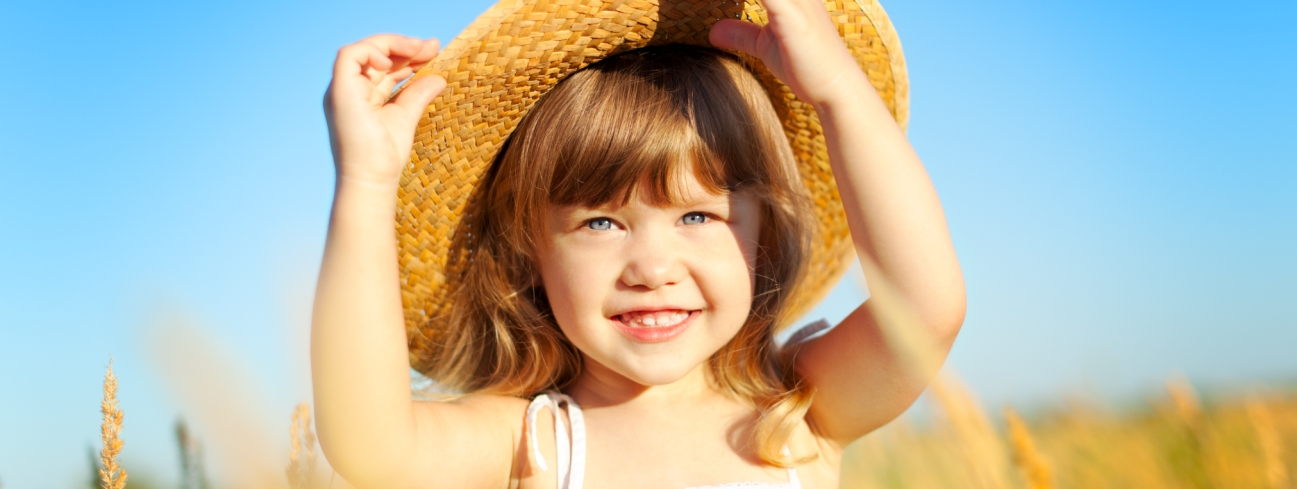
x: 571, y: 453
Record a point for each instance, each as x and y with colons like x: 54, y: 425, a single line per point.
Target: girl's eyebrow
x: 710, y: 199
x: 578, y: 208
x: 698, y: 199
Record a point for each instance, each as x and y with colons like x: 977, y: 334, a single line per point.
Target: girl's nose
x: 653, y: 263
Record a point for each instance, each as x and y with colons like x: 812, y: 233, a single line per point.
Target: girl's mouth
x: 654, y: 326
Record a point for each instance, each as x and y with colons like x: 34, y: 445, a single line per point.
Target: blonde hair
x: 634, y: 122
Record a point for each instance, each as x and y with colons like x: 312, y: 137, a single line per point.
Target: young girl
x: 609, y: 294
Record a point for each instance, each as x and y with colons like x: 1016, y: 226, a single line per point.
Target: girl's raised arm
x: 371, y: 431
x: 892, y: 209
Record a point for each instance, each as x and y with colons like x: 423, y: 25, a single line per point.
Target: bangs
x: 639, y: 123
x: 600, y: 167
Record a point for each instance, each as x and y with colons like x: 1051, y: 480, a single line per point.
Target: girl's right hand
x: 371, y: 135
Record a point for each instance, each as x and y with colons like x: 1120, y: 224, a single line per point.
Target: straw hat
x: 514, y: 53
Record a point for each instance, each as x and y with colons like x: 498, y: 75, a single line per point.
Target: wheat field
x: 1173, y: 440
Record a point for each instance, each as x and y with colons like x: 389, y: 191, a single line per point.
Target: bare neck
x: 598, y: 386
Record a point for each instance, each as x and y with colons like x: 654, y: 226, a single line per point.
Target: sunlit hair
x: 631, y: 124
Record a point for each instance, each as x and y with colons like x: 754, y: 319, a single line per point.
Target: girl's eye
x: 695, y: 218
x: 599, y: 224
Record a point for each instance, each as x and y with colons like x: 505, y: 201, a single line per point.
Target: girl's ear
x: 532, y: 273
x: 536, y: 245
x: 539, y: 298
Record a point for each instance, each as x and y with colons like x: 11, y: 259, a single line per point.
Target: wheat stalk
x: 301, y: 467
x: 980, y: 447
x: 308, y: 437
x: 1189, y: 455
x: 1276, y: 473
x: 1029, y: 460
x: 1184, y: 399
x: 111, y: 475
x: 192, y: 474
x: 294, y: 470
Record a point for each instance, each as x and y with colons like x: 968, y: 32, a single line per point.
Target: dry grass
x: 1030, y: 462
x: 222, y: 402
x: 1176, y: 441
x: 111, y: 475
x: 1270, y: 443
x: 192, y: 473
x: 975, y: 439
x: 301, y: 451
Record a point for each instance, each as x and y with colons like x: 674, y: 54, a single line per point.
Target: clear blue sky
x: 1120, y: 179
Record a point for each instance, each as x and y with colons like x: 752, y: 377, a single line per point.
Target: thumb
x: 418, y: 93
x: 736, y: 35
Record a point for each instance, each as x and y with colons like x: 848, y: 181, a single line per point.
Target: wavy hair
x: 633, y: 122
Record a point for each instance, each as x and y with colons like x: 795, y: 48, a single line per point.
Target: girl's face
x: 651, y: 292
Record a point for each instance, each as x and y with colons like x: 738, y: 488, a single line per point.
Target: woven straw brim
x: 514, y: 53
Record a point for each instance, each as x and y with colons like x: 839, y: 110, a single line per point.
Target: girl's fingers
x: 403, y: 50
x: 782, y: 8
x: 398, y: 75
x: 418, y: 94
x: 361, y: 59
x: 736, y: 35
x: 375, y: 56
x: 394, y: 45
x: 774, y: 7
x: 393, y: 78
x: 427, y: 51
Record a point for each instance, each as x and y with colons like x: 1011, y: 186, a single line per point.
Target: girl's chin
x: 651, y: 372
x: 659, y: 377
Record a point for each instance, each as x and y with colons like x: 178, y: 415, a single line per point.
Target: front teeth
x: 654, y: 320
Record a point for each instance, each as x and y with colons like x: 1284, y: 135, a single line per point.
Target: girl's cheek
x: 727, y: 273
x: 575, y: 272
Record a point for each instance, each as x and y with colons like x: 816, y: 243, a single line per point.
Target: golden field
x: 1173, y: 440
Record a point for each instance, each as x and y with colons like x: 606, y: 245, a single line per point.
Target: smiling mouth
x: 656, y: 319
x: 654, y: 326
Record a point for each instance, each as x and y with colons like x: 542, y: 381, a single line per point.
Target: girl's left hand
x: 800, y: 46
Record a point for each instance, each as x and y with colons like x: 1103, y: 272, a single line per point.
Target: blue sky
x: 1120, y: 180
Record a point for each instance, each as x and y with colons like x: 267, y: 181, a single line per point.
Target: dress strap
x: 571, y: 459
x: 793, y: 481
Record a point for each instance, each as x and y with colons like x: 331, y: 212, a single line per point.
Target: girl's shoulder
x: 818, y: 459
x: 488, y: 413
x: 528, y: 434
x: 483, y: 405
x: 475, y: 437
